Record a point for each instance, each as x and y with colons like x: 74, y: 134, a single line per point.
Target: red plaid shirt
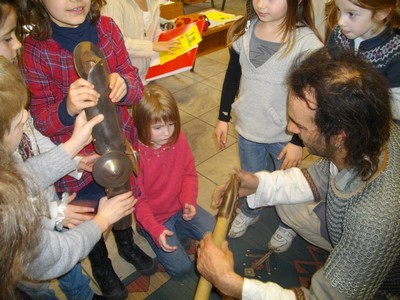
x: 49, y: 71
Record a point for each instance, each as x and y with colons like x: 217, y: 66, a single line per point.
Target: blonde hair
x: 392, y: 21
x: 299, y: 14
x: 20, y: 224
x: 13, y: 94
x: 156, y: 105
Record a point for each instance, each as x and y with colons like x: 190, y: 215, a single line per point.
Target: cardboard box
x: 171, y: 10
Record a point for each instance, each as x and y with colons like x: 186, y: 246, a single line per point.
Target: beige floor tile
x: 204, y: 68
x: 215, y: 81
x: 211, y: 118
x: 197, y: 99
x: 220, y: 166
x: 176, y: 83
x: 200, y: 138
x: 221, y: 56
x: 206, y: 188
x: 185, y: 117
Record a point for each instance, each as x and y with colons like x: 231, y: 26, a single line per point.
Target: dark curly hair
x: 352, y: 97
x: 34, y: 16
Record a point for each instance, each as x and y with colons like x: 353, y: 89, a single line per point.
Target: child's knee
x: 180, y: 270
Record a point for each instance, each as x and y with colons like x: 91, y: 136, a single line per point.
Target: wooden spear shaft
x: 224, y: 217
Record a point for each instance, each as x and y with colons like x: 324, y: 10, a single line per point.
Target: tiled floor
x: 197, y: 94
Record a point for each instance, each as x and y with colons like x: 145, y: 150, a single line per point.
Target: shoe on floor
x: 281, y: 240
x: 240, y: 224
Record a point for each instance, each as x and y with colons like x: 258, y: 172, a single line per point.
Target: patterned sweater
x: 383, y: 51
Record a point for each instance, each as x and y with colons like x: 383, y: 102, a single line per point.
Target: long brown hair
x: 156, y: 105
x: 392, y: 21
x: 20, y: 224
x: 299, y: 14
x: 34, y: 15
x: 352, y: 97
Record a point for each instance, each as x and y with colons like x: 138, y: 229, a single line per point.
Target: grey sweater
x: 260, y: 107
x: 57, y: 252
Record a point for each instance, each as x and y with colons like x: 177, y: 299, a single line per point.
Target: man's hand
x: 216, y: 265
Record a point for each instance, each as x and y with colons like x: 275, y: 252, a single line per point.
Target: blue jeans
x: 255, y: 157
x: 178, y: 263
x: 73, y: 284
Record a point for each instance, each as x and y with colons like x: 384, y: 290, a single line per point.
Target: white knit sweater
x: 138, y: 40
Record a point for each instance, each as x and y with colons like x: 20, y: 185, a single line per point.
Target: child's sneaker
x: 281, y: 240
x: 240, y: 224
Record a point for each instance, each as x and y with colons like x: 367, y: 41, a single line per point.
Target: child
x: 139, y: 21
x: 32, y: 144
x: 55, y: 253
x: 167, y: 209
x: 264, y: 46
x: 371, y: 29
x: 58, y: 95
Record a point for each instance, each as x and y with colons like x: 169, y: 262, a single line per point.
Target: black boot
x: 102, y: 269
x: 129, y: 251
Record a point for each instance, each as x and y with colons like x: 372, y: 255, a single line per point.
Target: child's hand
x: 113, y: 209
x: 86, y: 162
x: 162, y: 239
x: 82, y: 134
x: 189, y: 211
x: 221, y: 133
x: 293, y: 156
x: 167, y: 46
x: 75, y: 215
x: 118, y: 87
x: 81, y: 95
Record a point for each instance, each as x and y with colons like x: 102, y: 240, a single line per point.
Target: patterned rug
x: 292, y: 268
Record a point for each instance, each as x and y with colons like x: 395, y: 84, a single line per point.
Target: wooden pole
x: 224, y: 217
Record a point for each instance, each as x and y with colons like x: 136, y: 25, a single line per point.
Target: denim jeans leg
x: 176, y: 263
x: 75, y: 285
x: 37, y: 291
x: 196, y: 228
x: 255, y: 157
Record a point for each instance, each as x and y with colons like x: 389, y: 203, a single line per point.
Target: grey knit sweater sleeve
x: 58, y: 252
x: 48, y: 167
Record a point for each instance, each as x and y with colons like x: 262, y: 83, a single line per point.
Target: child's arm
x: 58, y: 162
x: 229, y: 92
x: 142, y: 48
x: 59, y: 252
x: 49, y: 85
x: 189, y: 190
x: 145, y: 217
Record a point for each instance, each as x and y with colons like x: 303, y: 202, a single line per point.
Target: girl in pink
x: 167, y: 209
